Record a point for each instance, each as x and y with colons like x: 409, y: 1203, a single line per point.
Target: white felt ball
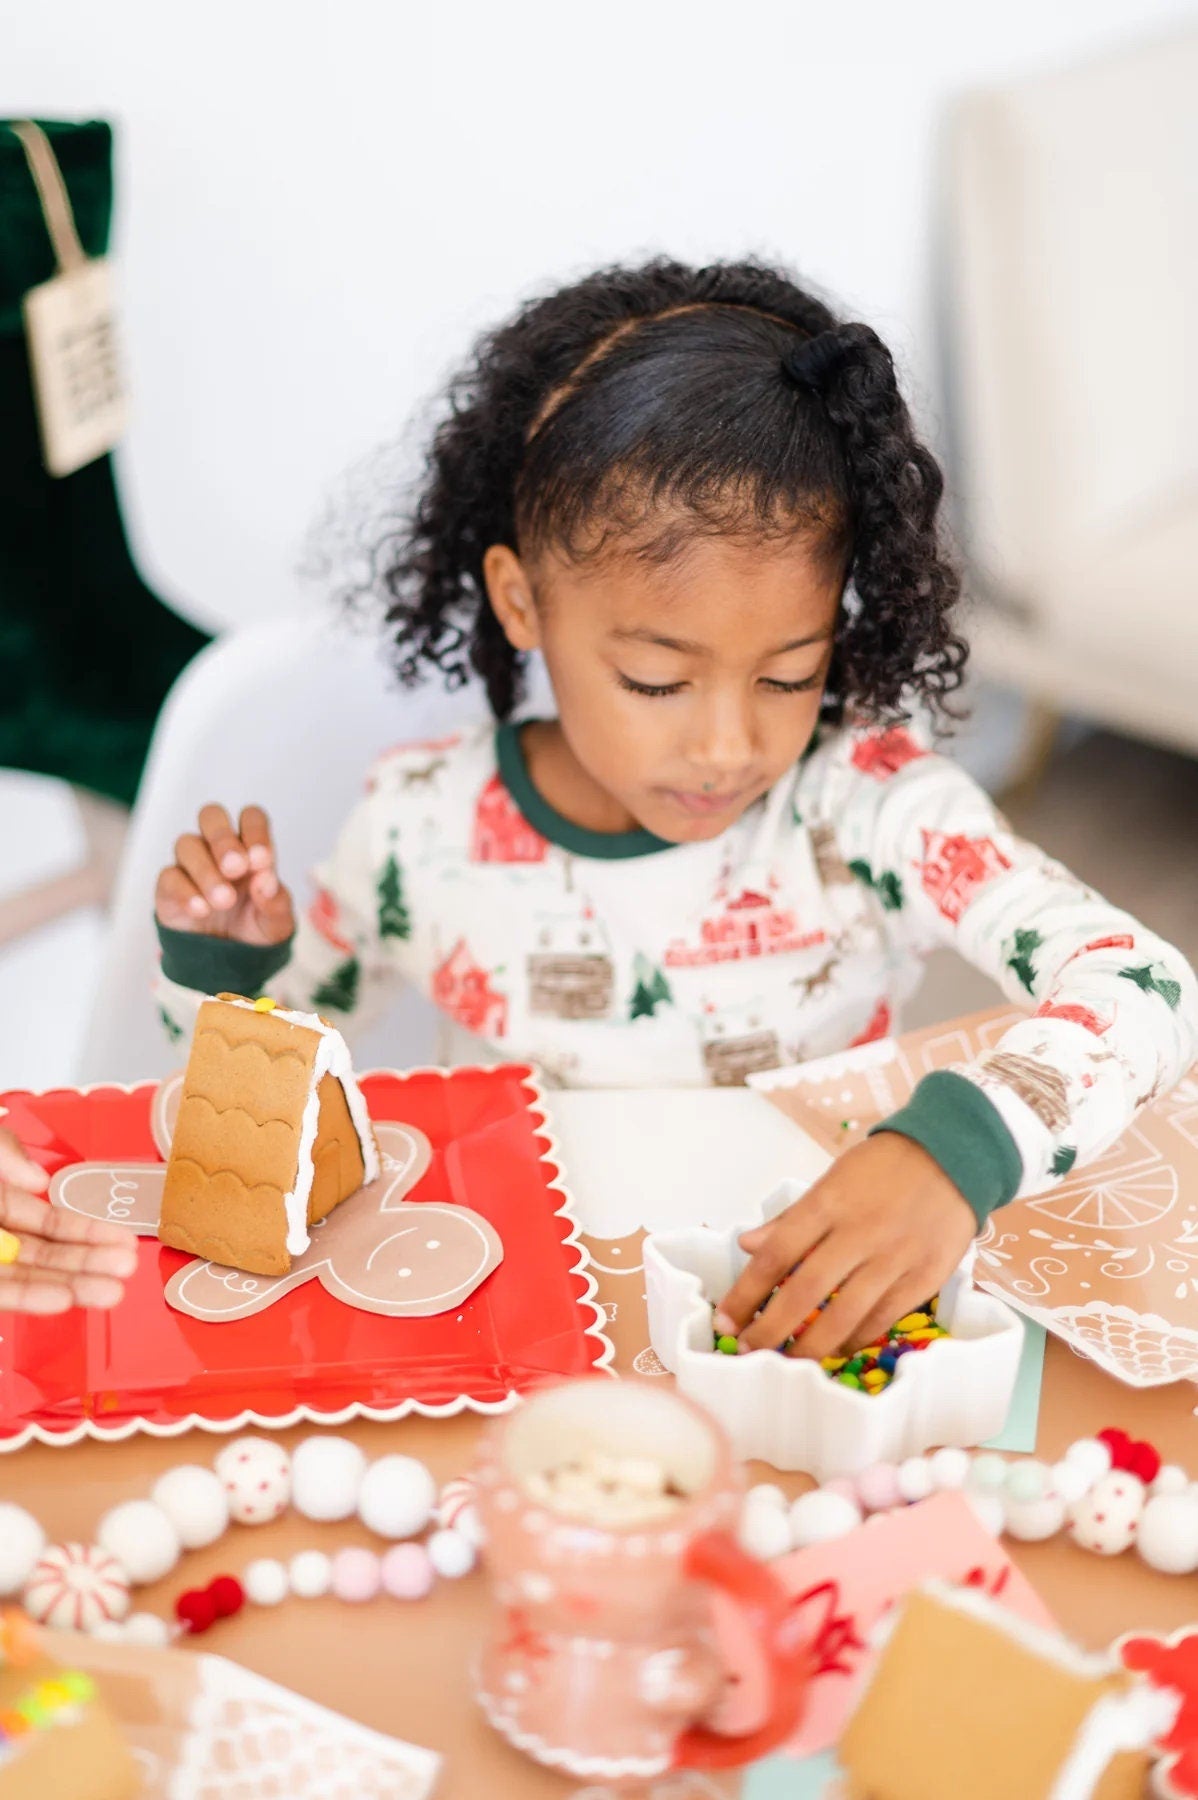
x: 311, y: 1574
x: 987, y: 1473
x: 1090, y: 1455
x: 915, y: 1478
x: 108, y: 1631
x: 988, y: 1509
x: 1070, y: 1482
x: 73, y: 1587
x: 1167, y: 1537
x: 265, y: 1582
x: 256, y: 1474
x: 818, y: 1517
x: 1107, y: 1519
x: 326, y: 1474
x: 22, y: 1541
x: 142, y: 1539
x: 767, y: 1493
x: 764, y: 1530
x: 949, y: 1467
x: 1031, y: 1521
x: 147, y: 1629
x: 397, y: 1497
x: 195, y: 1502
x: 1170, y: 1479
x: 451, y: 1555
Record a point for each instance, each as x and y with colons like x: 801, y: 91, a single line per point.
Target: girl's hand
x: 223, y: 883
x: 881, y: 1230
x: 51, y: 1260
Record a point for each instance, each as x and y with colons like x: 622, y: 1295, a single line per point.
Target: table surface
x: 631, y: 1161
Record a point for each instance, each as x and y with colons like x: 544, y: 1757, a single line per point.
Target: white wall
x: 320, y: 203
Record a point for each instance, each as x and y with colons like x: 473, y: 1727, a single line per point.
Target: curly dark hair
x: 726, y: 396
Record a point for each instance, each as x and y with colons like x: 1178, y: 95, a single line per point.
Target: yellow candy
x: 912, y: 1322
x: 10, y: 1247
x: 874, y: 1379
x: 54, y: 1694
x: 264, y: 1003
x: 833, y: 1362
x: 926, y: 1335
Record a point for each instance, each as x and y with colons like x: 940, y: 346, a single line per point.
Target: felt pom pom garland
x: 1110, y: 1493
x: 87, y: 1587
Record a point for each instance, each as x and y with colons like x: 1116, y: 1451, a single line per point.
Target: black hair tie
x: 810, y: 364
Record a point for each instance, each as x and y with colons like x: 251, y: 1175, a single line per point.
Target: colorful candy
x: 871, y: 1369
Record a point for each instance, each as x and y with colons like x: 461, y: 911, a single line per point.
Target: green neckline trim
x: 552, y: 825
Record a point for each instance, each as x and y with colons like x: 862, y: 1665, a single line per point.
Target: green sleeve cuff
x: 965, y: 1133
x: 213, y: 965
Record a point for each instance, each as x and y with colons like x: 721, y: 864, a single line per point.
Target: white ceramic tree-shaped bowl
x: 785, y: 1410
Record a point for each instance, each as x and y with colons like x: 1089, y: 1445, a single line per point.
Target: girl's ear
x: 509, y: 591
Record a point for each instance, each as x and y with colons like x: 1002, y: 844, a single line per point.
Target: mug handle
x: 717, y: 1559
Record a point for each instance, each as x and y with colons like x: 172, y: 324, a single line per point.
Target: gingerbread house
x: 57, y: 1741
x: 272, y: 1134
x: 967, y: 1699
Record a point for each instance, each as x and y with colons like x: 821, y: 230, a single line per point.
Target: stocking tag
x: 71, y: 328
x: 70, y: 325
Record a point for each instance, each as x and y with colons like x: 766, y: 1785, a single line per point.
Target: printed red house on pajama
x: 746, y: 924
x: 462, y: 989
x: 886, y: 752
x: 955, y: 867
x: 501, y: 832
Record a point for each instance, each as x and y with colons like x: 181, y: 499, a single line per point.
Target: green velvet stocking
x: 87, y: 651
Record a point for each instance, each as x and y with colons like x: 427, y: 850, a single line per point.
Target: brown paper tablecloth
x: 405, y: 1669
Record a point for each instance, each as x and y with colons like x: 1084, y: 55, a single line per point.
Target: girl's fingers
x: 72, y: 1258
x: 255, y: 835
x: 29, y: 1291
x: 178, y: 902
x: 786, y: 1242
x: 827, y: 1267
x: 276, y: 920
x: 194, y: 857
x: 18, y: 1293
x: 848, y: 1319
x: 228, y: 851
x: 895, y: 1302
x: 16, y: 1167
x: 22, y: 1213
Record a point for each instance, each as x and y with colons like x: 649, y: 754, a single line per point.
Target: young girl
x: 700, y: 497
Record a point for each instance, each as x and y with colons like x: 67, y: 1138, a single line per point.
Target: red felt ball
x: 228, y: 1595
x: 196, y: 1609
x: 1144, y: 1460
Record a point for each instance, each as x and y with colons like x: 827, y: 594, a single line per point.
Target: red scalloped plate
x: 145, y: 1367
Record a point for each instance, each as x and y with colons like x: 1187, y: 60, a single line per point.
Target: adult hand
x: 881, y: 1231
x: 224, y: 883
x: 51, y: 1260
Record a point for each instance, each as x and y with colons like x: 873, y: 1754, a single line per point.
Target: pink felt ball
x: 407, y: 1572
x: 356, y: 1574
x: 878, y: 1488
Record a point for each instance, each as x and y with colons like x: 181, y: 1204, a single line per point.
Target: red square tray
x: 145, y: 1367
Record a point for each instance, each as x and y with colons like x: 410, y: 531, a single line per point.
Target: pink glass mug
x: 603, y: 1660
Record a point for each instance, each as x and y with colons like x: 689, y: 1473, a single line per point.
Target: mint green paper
x: 1019, y: 1432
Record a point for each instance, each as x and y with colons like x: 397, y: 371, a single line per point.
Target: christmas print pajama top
x: 623, y: 961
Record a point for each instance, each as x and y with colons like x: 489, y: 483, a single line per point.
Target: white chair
x: 1070, y: 295
x: 289, y: 715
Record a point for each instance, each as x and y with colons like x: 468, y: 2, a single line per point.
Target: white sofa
x: 1070, y: 315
